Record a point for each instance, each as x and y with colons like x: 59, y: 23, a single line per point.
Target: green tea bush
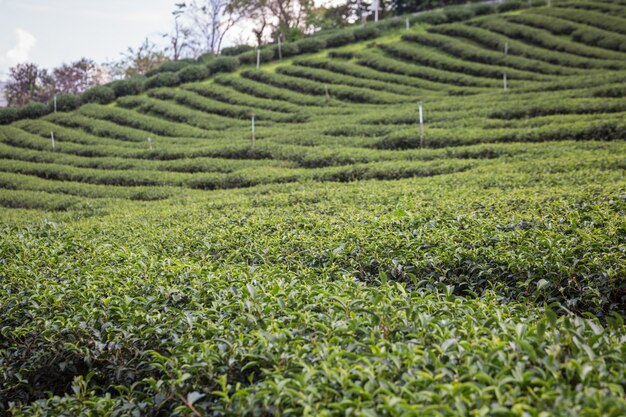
x: 236, y: 50
x: 432, y: 18
x: 365, y: 33
x: 164, y: 79
x: 101, y: 95
x: 127, y: 87
x: 8, y: 115
x: 32, y: 111
x: 509, y: 5
x: 458, y: 13
x: 193, y: 73
x: 250, y: 57
x: 308, y: 45
x: 222, y: 64
x: 287, y: 49
x: 65, y: 102
x: 340, y: 38
x: 170, y: 66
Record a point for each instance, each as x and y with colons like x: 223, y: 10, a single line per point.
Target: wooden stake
x: 55, y: 104
x: 506, y: 48
x: 280, y: 51
x: 421, y: 125
x: 408, y: 24
x: 506, y: 86
x: 326, y: 91
x: 258, y: 58
x: 52, y: 139
x: 253, y: 138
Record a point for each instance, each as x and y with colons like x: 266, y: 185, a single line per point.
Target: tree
x: 78, y: 76
x: 27, y: 82
x: 138, y: 61
x: 208, y: 22
x: 280, y: 16
x: 181, y: 39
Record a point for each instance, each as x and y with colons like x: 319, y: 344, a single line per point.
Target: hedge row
x: 105, y: 94
x: 537, y: 30
x: 497, y: 41
x: 469, y: 52
x: 174, y: 73
x: 452, y: 80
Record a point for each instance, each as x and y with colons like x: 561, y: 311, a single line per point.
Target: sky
x: 51, y: 32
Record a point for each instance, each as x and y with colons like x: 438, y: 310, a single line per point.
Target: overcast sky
x: 50, y: 32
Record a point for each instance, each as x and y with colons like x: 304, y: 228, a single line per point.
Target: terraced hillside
x: 154, y: 260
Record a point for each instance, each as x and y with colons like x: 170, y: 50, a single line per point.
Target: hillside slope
x: 154, y: 261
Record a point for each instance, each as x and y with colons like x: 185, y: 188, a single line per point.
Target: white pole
x: 408, y: 24
x: 326, y: 91
x: 505, y: 82
x: 150, y: 143
x: 253, y: 131
x: 506, y: 48
x: 421, y: 125
x: 376, y: 6
x: 258, y: 58
x: 280, y: 51
x: 52, y: 139
x: 55, y: 104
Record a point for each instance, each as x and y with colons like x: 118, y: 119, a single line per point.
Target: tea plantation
x: 340, y: 265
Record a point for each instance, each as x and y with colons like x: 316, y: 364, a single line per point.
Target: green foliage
x: 128, y: 87
x: 32, y: 111
x: 236, y: 50
x: 165, y: 79
x: 101, y: 95
x: 222, y: 64
x: 170, y: 66
x: 509, y: 5
x: 65, y: 102
x: 250, y: 57
x: 156, y: 261
x: 308, y: 45
x: 193, y: 73
x: 340, y: 38
x: 8, y: 115
x: 365, y: 33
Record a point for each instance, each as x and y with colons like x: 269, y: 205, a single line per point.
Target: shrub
x: 65, y: 102
x: 340, y: 38
x: 341, y: 54
x: 8, y: 115
x: 509, y: 6
x: 456, y: 14
x: 236, y: 50
x: 128, y: 87
x: 171, y: 66
x: 287, y: 49
x: 32, y: 111
x: 250, y: 56
x: 206, y: 57
x: 222, y: 64
x: 166, y: 79
x: 101, y: 94
x: 193, y: 73
x: 432, y: 18
x: 310, y: 45
x: 365, y: 33
x: 482, y: 9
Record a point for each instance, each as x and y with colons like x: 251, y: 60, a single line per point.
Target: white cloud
x: 20, y: 52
